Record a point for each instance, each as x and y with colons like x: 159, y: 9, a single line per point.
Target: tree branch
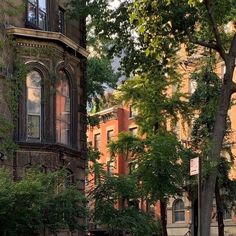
x: 232, y: 50
x: 204, y: 44
x: 219, y: 46
x: 233, y: 87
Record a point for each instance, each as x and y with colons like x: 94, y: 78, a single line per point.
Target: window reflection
x: 33, y: 84
x: 63, y: 113
x: 37, y: 13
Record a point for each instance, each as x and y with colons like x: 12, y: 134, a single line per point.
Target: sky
x: 115, y: 3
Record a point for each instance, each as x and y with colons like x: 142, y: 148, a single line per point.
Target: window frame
x: 133, y: 131
x: 70, y: 133
x: 174, y: 211
x: 110, y: 135
x: 38, y: 11
x: 97, y: 142
x: 30, y: 138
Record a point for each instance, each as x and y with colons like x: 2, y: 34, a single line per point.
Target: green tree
x: 116, y: 199
x: 195, y: 23
x: 161, y: 166
x: 209, y: 84
x: 101, y: 77
x: 158, y: 31
x: 38, y: 202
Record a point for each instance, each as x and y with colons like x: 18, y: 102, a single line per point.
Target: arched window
x: 33, y: 85
x: 63, y: 110
x: 178, y: 211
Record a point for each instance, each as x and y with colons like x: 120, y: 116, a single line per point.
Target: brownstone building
x: 50, y: 124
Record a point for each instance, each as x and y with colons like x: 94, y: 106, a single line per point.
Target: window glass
x: 42, y: 5
x: 134, y: 131
x: 61, y: 24
x: 97, y: 141
x: 110, y: 134
x: 37, y: 13
x: 110, y: 167
x: 178, y: 211
x: 32, y: 13
x: 133, y: 112
x: 63, y: 113
x: 33, y: 84
x: 42, y: 20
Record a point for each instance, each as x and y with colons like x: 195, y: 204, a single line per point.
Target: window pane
x: 178, y: 211
x: 33, y: 128
x: 42, y: 20
x: 33, y: 83
x: 97, y: 141
x: 61, y: 20
x: 34, y: 79
x: 134, y: 131
x: 63, y: 115
x: 110, y: 134
x: 34, y: 101
x: 33, y: 1
x: 32, y: 14
x: 179, y: 216
x: 42, y: 5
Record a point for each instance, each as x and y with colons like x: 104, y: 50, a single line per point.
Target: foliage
x: 100, y: 77
x: 36, y: 202
x: 123, y: 190
x: 149, y: 46
x: 11, y: 83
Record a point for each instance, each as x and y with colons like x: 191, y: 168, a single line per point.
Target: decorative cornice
x: 48, y: 35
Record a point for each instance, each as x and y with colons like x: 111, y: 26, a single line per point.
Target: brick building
x: 113, y: 121
x: 50, y: 128
x: 180, y: 210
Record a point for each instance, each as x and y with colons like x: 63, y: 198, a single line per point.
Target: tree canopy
x: 38, y: 202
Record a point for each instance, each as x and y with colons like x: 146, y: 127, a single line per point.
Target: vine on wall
x: 10, y: 82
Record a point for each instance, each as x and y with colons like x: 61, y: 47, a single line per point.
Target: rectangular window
x: 97, y: 141
x: 133, y: 111
x: 37, y: 14
x: 134, y: 131
x: 110, y: 167
x: 61, y: 20
x: 110, y: 135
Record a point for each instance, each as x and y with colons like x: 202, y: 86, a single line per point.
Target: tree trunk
x: 208, y: 187
x: 163, y: 218
x: 220, y: 219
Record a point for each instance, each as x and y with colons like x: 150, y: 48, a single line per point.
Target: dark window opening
x: 61, y: 20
